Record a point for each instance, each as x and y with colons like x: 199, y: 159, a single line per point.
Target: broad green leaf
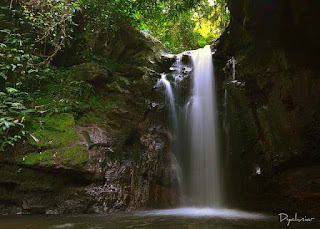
x: 11, y: 90
x: 3, y: 76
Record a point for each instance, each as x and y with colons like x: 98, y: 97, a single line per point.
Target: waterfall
x: 233, y: 68
x: 170, y: 97
x: 178, y: 73
x: 205, y: 185
x: 196, y: 128
x: 174, y: 122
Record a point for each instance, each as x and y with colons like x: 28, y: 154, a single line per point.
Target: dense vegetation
x: 35, y: 31
x: 178, y: 24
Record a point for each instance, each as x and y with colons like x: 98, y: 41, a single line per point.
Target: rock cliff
x: 268, y: 77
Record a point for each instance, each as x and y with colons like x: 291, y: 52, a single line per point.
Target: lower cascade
x: 195, y: 123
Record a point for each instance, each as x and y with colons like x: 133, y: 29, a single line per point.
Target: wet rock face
x: 270, y: 109
x: 143, y: 182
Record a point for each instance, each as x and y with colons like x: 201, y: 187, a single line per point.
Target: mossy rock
x: 54, y: 131
x: 90, y: 72
x: 69, y: 158
x: 59, y: 142
x: 45, y: 159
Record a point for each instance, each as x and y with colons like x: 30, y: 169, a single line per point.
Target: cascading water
x: 170, y: 97
x: 174, y: 121
x: 233, y: 60
x: 195, y: 149
x: 195, y: 127
x: 205, y: 185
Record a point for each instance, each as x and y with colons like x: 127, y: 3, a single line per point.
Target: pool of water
x: 190, y: 218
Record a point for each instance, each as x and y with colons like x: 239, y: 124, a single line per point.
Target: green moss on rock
x: 74, y: 157
x: 44, y: 159
x: 53, y: 131
x: 70, y: 158
x: 58, y: 139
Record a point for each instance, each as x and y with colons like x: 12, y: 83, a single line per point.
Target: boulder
x: 91, y: 72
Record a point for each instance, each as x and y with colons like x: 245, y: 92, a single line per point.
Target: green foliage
x: 173, y: 22
x: 61, y: 95
x: 52, y: 21
x: 18, y: 63
x: 12, y: 116
x: 139, y: 10
x: 21, y: 71
x: 194, y: 28
x: 216, y: 14
x: 34, y: 33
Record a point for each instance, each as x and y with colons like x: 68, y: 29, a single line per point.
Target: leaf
x: 34, y: 138
x: 42, y: 112
x: 27, y: 111
x: 17, y: 58
x: 11, y: 90
x: 7, y: 124
x: 31, y: 71
x: 13, y: 67
x: 7, y: 31
x: 3, y: 76
x: 16, y: 104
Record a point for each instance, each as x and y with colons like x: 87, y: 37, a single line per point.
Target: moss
x: 99, y: 108
x: 44, y: 100
x: 95, y: 112
x: 96, y: 102
x: 71, y: 157
x: 58, y: 139
x: 52, y: 131
x: 74, y: 157
x: 44, y: 159
x: 114, y: 101
x: 87, y: 137
x: 115, y: 86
